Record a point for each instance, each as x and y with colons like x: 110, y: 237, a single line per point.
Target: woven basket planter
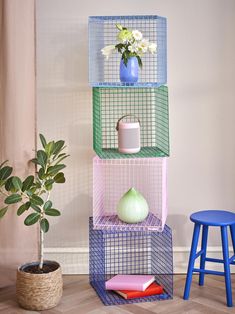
x: 39, y: 291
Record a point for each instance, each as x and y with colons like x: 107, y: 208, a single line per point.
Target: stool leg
x: 191, y: 261
x: 224, y: 236
x: 232, y: 230
x: 203, y: 256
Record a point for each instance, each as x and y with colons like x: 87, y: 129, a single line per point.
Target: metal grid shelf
x: 150, y: 105
x: 102, y: 32
x: 130, y: 252
x: 113, y: 177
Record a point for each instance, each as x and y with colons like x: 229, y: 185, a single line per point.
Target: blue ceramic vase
x: 129, y: 73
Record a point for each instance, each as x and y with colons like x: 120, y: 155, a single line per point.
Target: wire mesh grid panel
x: 112, y: 178
x: 130, y: 252
x: 103, y: 32
x: 149, y: 105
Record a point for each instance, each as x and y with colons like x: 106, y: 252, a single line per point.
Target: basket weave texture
x: 39, y: 291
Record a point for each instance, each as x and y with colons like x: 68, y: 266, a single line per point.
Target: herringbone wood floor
x: 80, y: 298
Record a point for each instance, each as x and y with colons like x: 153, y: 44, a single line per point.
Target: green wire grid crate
x: 150, y: 105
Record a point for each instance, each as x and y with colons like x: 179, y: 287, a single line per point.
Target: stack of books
x: 134, y: 286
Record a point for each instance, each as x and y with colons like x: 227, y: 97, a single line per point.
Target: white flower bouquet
x: 130, y: 44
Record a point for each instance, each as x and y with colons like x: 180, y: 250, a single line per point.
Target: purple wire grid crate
x: 103, y: 32
x: 130, y: 252
x: 112, y: 178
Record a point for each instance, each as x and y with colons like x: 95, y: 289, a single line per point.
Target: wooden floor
x: 80, y: 298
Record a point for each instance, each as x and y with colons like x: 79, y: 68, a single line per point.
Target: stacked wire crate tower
x: 117, y: 247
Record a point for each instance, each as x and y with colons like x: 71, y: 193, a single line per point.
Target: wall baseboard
x: 74, y: 260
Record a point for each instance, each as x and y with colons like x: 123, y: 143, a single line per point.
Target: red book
x: 131, y: 294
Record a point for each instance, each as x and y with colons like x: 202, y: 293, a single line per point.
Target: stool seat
x: 213, y: 218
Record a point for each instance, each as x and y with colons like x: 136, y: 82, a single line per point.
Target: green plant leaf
x: 44, y: 224
x: 35, y: 161
x: 31, y: 191
x: 28, y: 182
x: 41, y: 174
x: 36, y: 200
x: 58, y: 160
x: 32, y: 219
x: 43, y: 140
x: 47, y: 205
x: 3, y: 163
x: 58, y: 146
x: 13, y: 198
x: 53, y: 170
x: 59, y: 178
x: 48, y: 184
x: 9, y: 185
x: 3, y: 211
x: 17, y: 183
x: 36, y: 208
x: 5, y: 172
x: 42, y: 158
x: 52, y: 212
x: 49, y: 148
x: 23, y: 208
x: 2, y: 182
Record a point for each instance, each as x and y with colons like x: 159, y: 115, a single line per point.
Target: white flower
x: 107, y: 50
x: 133, y: 48
x: 137, y: 34
x: 143, y: 45
x: 152, y: 47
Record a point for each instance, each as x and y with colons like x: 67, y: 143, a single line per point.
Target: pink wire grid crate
x: 112, y: 178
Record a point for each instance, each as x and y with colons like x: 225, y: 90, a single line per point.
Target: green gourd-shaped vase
x: 132, y: 207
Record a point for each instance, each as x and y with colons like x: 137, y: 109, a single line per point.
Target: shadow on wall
x: 178, y: 224
x: 62, y: 52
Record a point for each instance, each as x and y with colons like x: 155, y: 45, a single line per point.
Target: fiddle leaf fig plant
x: 32, y: 195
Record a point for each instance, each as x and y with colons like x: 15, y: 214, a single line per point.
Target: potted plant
x: 132, y: 46
x: 39, y: 284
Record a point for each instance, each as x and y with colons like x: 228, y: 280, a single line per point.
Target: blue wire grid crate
x: 130, y: 252
x: 103, y: 32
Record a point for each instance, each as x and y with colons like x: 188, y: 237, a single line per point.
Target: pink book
x: 129, y: 282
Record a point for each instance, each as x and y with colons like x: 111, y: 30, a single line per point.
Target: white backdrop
x: 201, y: 69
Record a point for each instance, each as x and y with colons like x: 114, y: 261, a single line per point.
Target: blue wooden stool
x: 216, y: 218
